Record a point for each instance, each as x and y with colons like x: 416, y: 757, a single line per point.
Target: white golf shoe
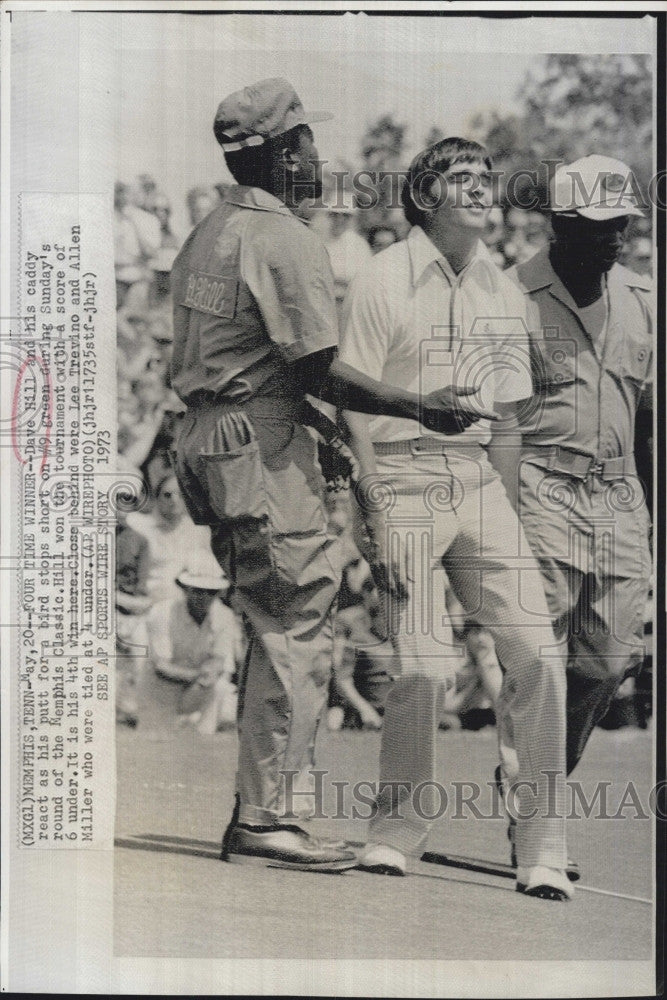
x: 544, y: 883
x: 382, y: 860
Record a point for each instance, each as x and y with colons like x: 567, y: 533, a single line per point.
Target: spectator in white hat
x: 197, y: 641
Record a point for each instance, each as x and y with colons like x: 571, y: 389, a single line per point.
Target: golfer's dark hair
x: 253, y: 165
x: 436, y: 159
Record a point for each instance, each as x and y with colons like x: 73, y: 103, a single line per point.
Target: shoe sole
x: 258, y: 861
x: 382, y: 869
x: 544, y: 892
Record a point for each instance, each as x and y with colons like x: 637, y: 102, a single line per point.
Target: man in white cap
x: 195, y: 639
x: 581, y: 503
x: 254, y: 329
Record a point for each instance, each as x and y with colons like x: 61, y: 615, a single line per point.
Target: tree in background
x: 591, y: 104
x: 382, y: 150
x: 576, y: 105
x: 382, y: 144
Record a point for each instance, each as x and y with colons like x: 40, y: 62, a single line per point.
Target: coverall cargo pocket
x: 554, y: 364
x: 236, y: 483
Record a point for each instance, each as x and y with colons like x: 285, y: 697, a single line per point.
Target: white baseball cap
x: 596, y: 187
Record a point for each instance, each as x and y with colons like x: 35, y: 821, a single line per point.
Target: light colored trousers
x: 252, y: 474
x: 590, y: 538
x: 448, y: 517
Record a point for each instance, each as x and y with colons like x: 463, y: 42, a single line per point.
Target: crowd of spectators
x: 171, y: 597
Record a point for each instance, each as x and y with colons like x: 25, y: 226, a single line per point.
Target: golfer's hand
x: 449, y: 411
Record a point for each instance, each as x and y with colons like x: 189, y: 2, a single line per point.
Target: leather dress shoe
x: 231, y: 826
x: 285, y: 847
x: 334, y: 843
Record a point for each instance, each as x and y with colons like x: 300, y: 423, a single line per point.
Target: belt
x: 422, y: 446
x: 573, y: 463
x: 266, y: 406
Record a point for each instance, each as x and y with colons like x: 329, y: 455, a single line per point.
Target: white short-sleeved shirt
x: 410, y: 321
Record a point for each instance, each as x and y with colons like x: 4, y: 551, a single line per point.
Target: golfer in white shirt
x: 435, y: 310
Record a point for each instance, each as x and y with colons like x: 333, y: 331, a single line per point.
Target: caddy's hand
x: 449, y: 411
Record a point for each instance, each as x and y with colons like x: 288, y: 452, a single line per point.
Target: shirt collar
x: 622, y: 275
x: 537, y: 273
x: 257, y: 199
x: 423, y: 252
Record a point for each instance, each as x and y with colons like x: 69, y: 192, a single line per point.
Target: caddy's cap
x: 266, y: 109
x: 596, y: 187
